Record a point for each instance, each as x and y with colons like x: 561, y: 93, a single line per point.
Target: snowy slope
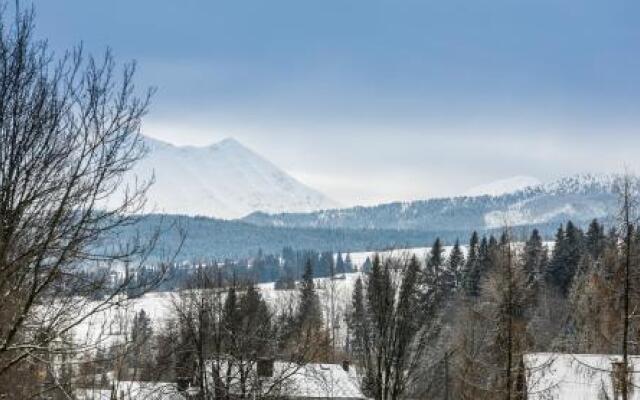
x: 502, y: 186
x: 579, y: 198
x: 224, y: 180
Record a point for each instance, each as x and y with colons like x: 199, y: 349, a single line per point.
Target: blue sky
x: 373, y: 101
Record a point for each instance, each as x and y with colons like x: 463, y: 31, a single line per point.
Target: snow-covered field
x: 109, y: 326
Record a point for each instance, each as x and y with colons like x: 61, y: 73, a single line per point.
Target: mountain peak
x: 223, y: 180
x: 228, y: 142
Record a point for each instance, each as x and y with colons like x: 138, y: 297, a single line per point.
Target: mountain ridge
x: 224, y: 180
x: 580, y: 197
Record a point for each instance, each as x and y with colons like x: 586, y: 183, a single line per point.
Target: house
x: 321, y: 381
x: 267, y: 378
x: 295, y: 381
x: 558, y: 376
x: 133, y: 390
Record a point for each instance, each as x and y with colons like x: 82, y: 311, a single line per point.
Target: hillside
x: 224, y: 180
x: 579, y: 198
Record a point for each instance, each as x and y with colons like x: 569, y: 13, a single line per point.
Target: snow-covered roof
x: 130, y: 390
x: 557, y: 376
x: 321, y: 381
x: 308, y: 381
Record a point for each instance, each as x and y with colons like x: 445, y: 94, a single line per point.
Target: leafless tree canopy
x: 69, y: 130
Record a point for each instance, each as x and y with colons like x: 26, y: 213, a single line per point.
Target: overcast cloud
x: 372, y: 101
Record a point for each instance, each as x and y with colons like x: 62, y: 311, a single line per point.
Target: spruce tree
x: 255, y: 322
x: 367, y: 266
x: 359, y: 330
x: 455, y: 263
x: 230, y: 315
x: 485, y: 250
x: 436, y: 275
x: 567, y: 252
x: 471, y: 276
x: 348, y: 263
x: 309, y: 311
x: 534, y: 257
x: 340, y: 267
x: 595, y: 239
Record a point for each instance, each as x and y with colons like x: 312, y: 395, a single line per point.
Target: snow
x: 295, y: 381
x: 130, y: 390
x: 557, y: 376
x: 503, y: 186
x: 109, y: 326
x: 224, y: 180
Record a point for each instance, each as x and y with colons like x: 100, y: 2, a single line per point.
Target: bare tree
x: 69, y: 131
x: 627, y: 212
x: 389, y: 328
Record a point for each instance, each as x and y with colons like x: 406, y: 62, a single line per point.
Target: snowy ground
x: 335, y: 298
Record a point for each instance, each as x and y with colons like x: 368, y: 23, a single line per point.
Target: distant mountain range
x: 579, y: 198
x: 224, y: 180
x: 256, y: 205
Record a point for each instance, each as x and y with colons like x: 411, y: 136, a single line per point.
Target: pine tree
x: 455, y: 263
x: 567, y: 253
x: 230, y: 315
x: 348, y: 263
x: 309, y: 311
x: 255, y: 323
x: 535, y: 257
x: 595, y: 239
x: 140, y: 357
x: 326, y: 265
x: 486, y: 255
x: 360, y: 332
x: 556, y: 271
x: 367, y: 266
x: 437, y: 278
x: 340, y: 265
x: 471, y: 276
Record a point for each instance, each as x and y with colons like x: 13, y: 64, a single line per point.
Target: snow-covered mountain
x: 579, y: 198
x: 225, y: 180
x: 503, y: 186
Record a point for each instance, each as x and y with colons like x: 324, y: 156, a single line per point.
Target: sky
x: 371, y: 101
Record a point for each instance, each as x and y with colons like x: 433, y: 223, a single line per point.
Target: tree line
x: 457, y: 327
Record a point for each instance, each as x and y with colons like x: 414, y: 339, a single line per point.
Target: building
x: 296, y: 381
x: 133, y: 390
x: 558, y: 376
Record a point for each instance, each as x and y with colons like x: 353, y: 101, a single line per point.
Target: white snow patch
x: 503, y: 186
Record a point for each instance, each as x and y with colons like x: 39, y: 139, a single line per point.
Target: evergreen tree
x: 254, y: 323
x: 567, y: 252
x: 367, y: 266
x: 309, y: 311
x: 348, y: 264
x: 230, y: 316
x: 436, y: 258
x: 455, y: 263
x: 437, y: 278
x: 535, y: 257
x: 359, y: 330
x: 340, y: 265
x: 485, y: 250
x: 471, y: 276
x: 555, y: 270
x: 326, y: 265
x: 140, y: 357
x: 595, y: 239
